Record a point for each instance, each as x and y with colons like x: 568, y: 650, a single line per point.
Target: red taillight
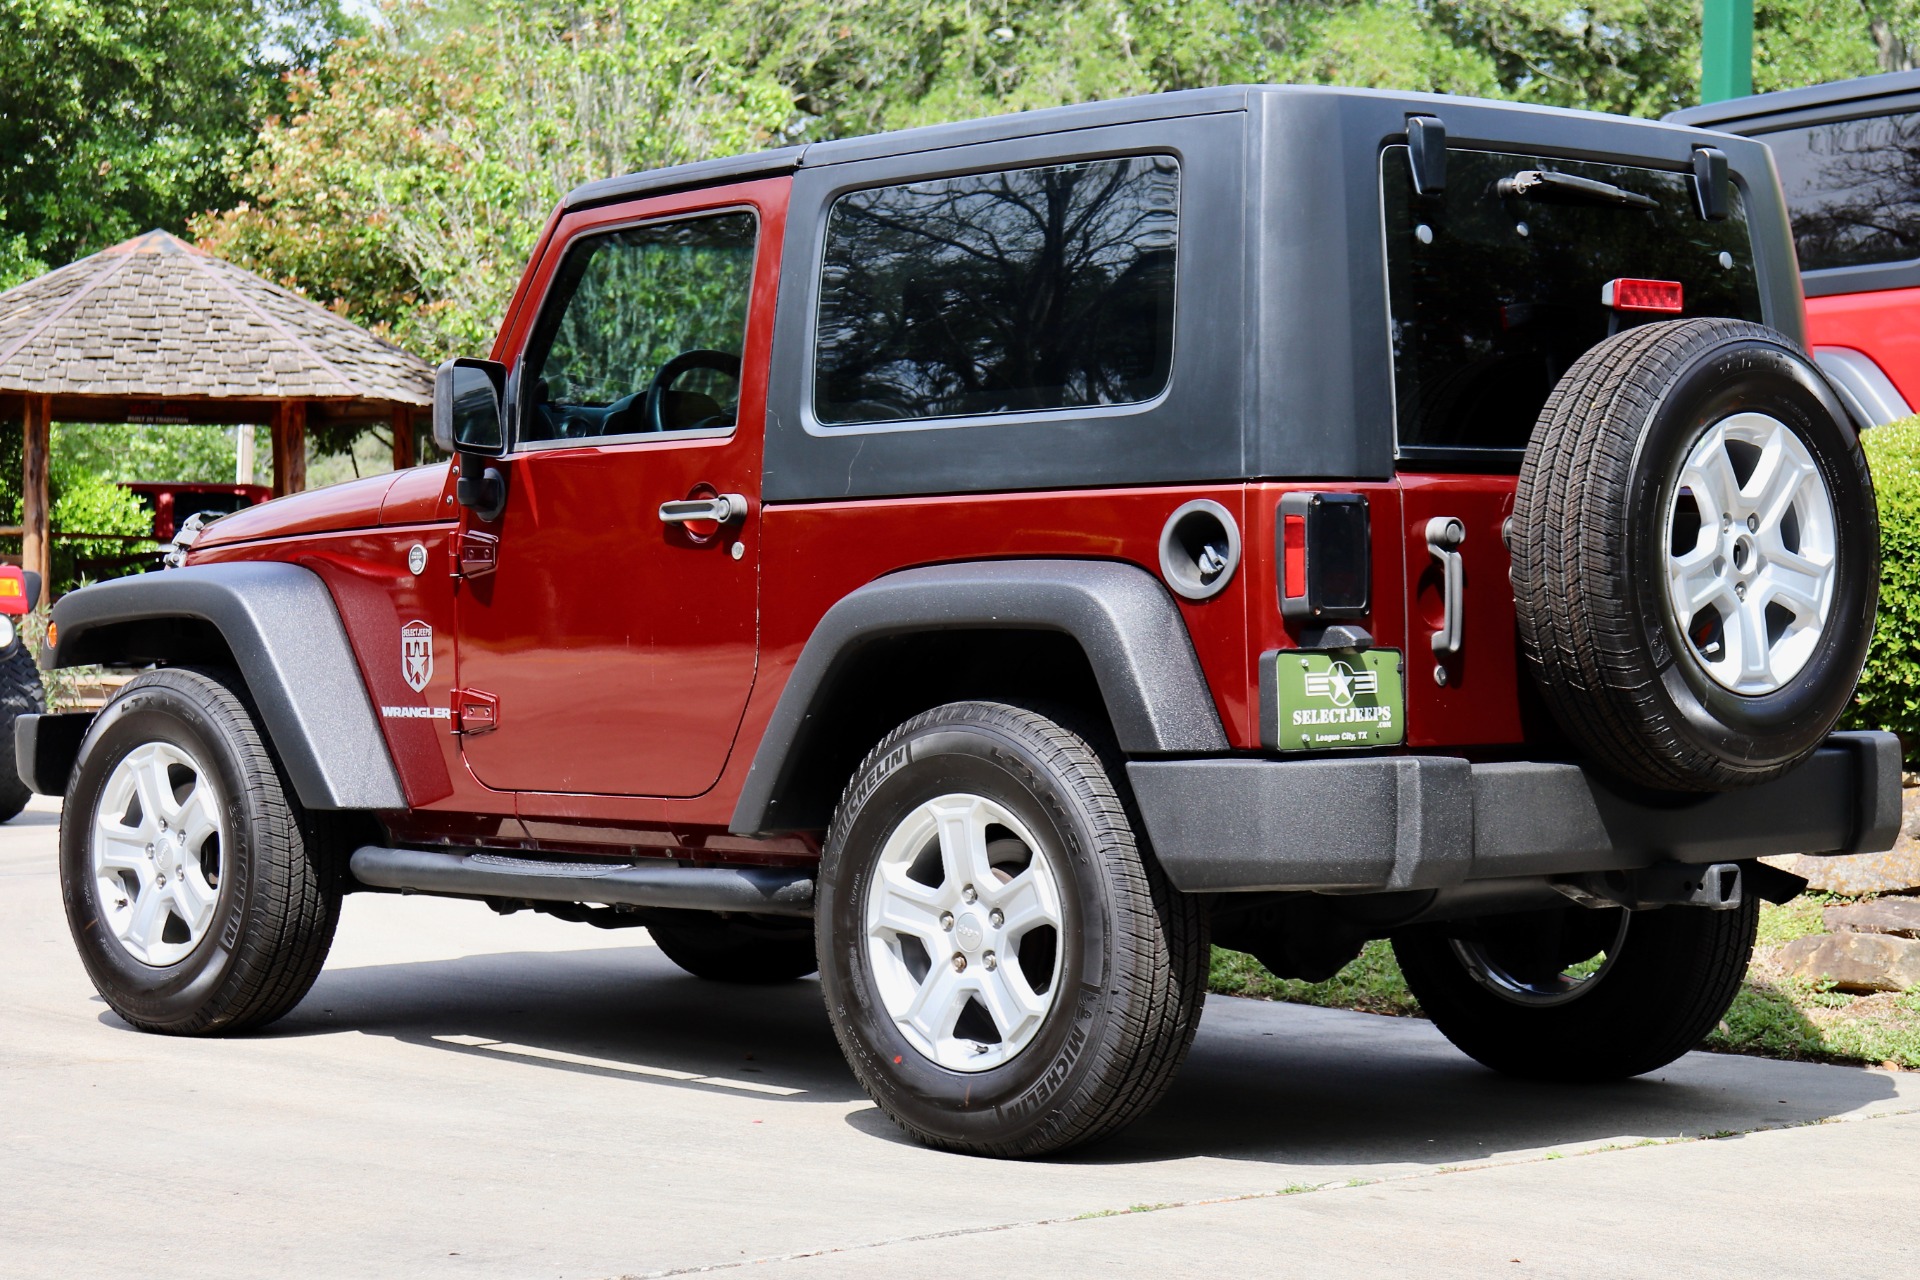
x: 1294, y: 572
x: 1665, y: 296
x: 13, y: 590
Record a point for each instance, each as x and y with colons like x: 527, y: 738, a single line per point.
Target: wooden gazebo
x: 154, y: 330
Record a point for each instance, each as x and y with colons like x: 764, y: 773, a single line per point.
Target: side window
x: 643, y: 331
x: 1010, y: 292
x: 1853, y: 190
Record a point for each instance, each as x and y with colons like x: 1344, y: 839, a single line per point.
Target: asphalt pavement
x: 470, y: 1095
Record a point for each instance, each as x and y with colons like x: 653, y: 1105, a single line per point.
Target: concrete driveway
x: 464, y: 1094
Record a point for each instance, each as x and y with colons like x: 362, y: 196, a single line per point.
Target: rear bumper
x: 1424, y: 822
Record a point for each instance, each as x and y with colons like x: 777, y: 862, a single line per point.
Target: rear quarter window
x: 1853, y: 190
x: 1016, y: 291
x: 1492, y: 297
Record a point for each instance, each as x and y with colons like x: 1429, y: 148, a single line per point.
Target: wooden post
x: 403, y: 440
x: 290, y: 448
x: 243, y: 454
x: 36, y: 446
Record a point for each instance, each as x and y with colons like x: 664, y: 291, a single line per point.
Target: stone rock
x: 1899, y: 917
x: 1854, y: 961
x: 1896, y: 871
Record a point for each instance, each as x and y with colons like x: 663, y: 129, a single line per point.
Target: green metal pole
x: 1726, y: 50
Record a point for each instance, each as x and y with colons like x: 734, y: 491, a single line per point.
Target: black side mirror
x: 467, y: 419
x: 467, y: 398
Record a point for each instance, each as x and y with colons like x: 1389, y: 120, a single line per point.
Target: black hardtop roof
x: 1841, y: 98
x: 1086, y: 115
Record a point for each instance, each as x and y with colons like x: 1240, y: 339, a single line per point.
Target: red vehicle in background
x: 1849, y: 162
x: 172, y: 502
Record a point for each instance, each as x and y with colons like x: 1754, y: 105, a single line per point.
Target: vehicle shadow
x: 620, y: 1011
x: 1285, y: 1084
x: 1326, y: 1086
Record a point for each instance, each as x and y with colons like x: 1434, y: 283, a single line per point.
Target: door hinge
x: 479, y: 554
x: 475, y: 711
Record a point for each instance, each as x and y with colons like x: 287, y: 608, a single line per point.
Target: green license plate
x: 1340, y: 699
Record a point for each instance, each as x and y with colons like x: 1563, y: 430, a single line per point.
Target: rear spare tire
x: 1695, y: 555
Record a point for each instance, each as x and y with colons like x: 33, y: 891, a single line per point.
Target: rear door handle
x: 725, y: 508
x: 1444, y: 535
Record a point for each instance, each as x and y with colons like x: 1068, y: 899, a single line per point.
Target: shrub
x: 1889, y: 694
x: 88, y: 503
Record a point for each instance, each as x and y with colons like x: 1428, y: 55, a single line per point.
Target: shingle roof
x: 156, y: 317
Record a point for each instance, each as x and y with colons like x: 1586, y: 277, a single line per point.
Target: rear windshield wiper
x: 1565, y: 188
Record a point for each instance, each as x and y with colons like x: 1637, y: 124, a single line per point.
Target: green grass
x: 1774, y: 1016
x: 1371, y: 984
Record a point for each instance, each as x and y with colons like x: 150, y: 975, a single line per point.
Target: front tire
x: 1006, y: 969
x: 1578, y: 994
x: 202, y: 898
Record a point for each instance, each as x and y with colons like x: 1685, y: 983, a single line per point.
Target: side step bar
x: 768, y: 891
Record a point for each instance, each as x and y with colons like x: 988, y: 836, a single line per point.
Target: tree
x: 117, y: 118
x: 407, y: 183
x: 409, y: 177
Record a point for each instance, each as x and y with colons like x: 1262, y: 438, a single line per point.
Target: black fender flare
x: 283, y: 630
x: 1124, y: 620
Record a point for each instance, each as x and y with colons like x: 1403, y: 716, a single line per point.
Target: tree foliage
x: 119, y: 117
x: 406, y: 185
x: 407, y: 180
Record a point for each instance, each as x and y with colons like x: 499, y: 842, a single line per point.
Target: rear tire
x: 990, y: 835
x: 20, y: 695
x: 1493, y: 988
x: 740, y: 951
x: 201, y: 896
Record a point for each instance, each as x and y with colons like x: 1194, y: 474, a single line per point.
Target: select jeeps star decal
x: 1340, y: 683
x: 416, y: 654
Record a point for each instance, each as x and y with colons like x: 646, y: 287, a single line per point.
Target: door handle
x: 1444, y: 534
x: 725, y: 508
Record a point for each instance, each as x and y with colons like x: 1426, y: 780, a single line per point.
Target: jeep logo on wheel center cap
x: 966, y: 932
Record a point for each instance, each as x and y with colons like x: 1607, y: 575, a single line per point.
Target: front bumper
x: 1425, y: 822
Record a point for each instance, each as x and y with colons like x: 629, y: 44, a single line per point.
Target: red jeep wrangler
x: 1849, y: 159
x: 984, y: 563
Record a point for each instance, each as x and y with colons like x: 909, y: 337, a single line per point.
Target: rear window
x: 1853, y: 190
x: 1010, y: 292
x: 1493, y: 297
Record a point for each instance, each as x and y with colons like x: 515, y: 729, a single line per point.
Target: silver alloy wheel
x: 1486, y: 970
x: 1751, y: 547
x: 964, y: 932
x: 156, y: 853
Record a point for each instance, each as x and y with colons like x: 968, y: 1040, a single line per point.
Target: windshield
x: 1495, y: 293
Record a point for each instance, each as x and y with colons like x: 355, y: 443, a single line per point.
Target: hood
x: 399, y: 497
